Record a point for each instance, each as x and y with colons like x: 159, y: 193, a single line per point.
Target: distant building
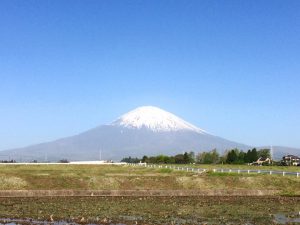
x: 291, y: 160
x: 262, y: 161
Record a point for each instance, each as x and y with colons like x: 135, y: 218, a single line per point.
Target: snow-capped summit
x: 154, y: 119
x: 144, y: 131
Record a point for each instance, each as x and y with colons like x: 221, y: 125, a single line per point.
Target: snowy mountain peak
x: 154, y: 119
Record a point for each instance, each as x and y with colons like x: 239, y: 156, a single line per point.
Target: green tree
x: 247, y: 157
x: 191, y: 157
x: 232, y: 157
x: 145, y: 159
x: 152, y: 159
x: 241, y: 157
x: 201, y: 158
x: 208, y: 157
x: 215, y: 156
x: 186, y: 158
x: 131, y: 160
x: 160, y: 159
x: 179, y: 159
x: 170, y: 160
x: 254, y: 155
x: 265, y: 153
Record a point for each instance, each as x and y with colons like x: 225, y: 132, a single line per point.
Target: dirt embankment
x: 52, y: 193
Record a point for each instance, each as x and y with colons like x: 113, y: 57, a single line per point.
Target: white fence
x: 219, y: 170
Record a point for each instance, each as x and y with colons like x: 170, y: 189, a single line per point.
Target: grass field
x: 247, y: 167
x: 110, y: 177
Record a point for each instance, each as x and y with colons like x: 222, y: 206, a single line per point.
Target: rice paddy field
x: 154, y: 210
x: 116, y: 177
x: 280, y: 207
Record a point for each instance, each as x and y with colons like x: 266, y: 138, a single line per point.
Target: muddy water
x: 294, y: 218
x: 35, y: 222
x: 283, y: 219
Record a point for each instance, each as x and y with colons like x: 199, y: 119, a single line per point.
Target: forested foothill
x: 233, y: 156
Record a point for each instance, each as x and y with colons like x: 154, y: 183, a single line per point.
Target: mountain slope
x: 143, y: 131
x: 115, y: 143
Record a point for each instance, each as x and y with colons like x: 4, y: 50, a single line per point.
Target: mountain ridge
x: 144, y: 131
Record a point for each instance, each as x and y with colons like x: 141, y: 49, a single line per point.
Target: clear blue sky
x: 229, y: 67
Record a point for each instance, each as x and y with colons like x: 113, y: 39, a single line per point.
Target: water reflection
x: 35, y: 222
x: 279, y: 218
x: 283, y: 219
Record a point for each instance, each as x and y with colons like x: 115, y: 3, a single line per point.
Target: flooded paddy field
x: 150, y: 210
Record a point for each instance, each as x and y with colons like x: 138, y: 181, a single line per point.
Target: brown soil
x: 143, y: 193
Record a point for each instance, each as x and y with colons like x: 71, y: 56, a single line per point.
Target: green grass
x: 113, y: 177
x: 165, y: 170
x: 244, y: 167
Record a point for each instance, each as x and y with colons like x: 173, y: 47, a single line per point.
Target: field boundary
x: 134, y: 193
x: 217, y: 170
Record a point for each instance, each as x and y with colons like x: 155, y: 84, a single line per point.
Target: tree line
x: 186, y: 158
x: 233, y: 156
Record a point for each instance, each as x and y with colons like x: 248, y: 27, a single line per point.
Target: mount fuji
x: 146, y: 130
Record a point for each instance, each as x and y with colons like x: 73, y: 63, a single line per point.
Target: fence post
x: 222, y: 170
x: 283, y: 173
x: 297, y: 174
x: 239, y: 171
x: 270, y: 172
x: 248, y: 171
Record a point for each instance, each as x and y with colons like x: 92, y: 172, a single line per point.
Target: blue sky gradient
x: 230, y: 67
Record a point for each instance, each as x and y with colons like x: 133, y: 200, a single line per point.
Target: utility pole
x: 271, y: 154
